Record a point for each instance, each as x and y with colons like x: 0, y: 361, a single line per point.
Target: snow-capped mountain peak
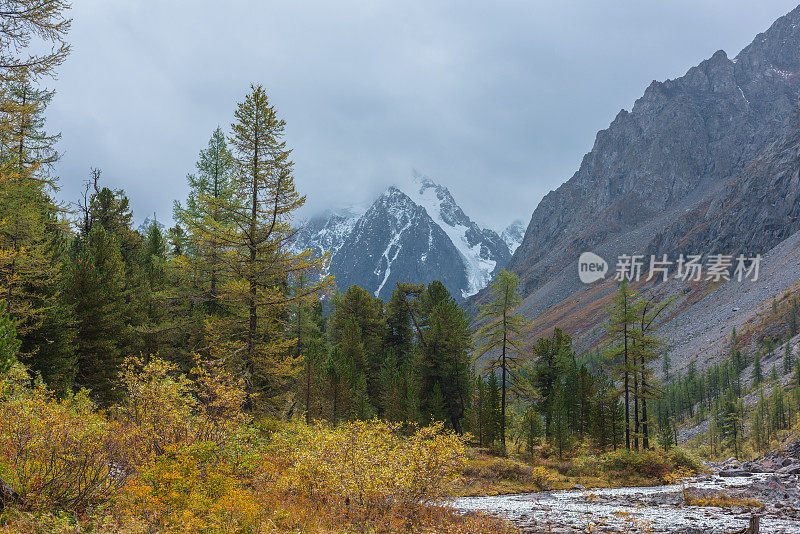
x: 512, y: 235
x: 417, y: 235
x: 481, y: 249
x: 144, y: 228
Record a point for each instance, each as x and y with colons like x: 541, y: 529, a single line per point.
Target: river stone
x: 735, y: 473
x: 793, y: 469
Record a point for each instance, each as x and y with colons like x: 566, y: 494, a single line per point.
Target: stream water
x: 657, y: 509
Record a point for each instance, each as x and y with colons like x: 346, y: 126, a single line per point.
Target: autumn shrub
x: 190, y: 447
x: 370, y: 465
x: 192, y: 488
x: 655, y: 465
x: 57, y: 453
x: 719, y: 500
x: 180, y: 455
x: 163, y: 407
x: 542, y: 477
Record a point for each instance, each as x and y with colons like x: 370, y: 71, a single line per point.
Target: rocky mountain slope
x: 706, y: 163
x: 147, y: 223
x: 513, y: 235
x: 416, y: 236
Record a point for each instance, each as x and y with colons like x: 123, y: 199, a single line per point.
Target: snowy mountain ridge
x: 413, y: 234
x: 144, y: 228
x: 480, y: 249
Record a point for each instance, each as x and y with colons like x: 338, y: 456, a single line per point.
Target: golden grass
x: 720, y: 500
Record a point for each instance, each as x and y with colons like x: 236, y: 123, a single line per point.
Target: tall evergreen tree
x: 258, y: 262
x: 357, y: 306
x: 758, y: 372
x: 788, y: 358
x: 500, y: 336
x: 551, y: 358
x: 621, y: 327
x: 444, y: 364
x: 96, y: 286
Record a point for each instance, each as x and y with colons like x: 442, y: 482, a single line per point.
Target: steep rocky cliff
x: 696, y: 147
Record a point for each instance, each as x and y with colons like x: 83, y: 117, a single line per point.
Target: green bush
x: 647, y: 464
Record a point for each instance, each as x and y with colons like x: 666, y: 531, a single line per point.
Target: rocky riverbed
x: 660, y: 509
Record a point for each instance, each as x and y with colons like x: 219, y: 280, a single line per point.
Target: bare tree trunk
x: 627, y: 399
x: 636, y: 394
x: 645, y: 430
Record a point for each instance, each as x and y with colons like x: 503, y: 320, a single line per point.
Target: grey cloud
x: 506, y: 93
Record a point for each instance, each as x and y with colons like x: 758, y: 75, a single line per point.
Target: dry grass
x: 487, y: 474
x: 491, y: 475
x: 292, y: 517
x: 719, y: 500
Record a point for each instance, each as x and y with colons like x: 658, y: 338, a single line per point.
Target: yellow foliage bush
x: 371, y: 463
x: 542, y: 477
x: 649, y: 464
x: 180, y: 455
x: 163, y: 407
x: 192, y: 488
x: 56, y: 453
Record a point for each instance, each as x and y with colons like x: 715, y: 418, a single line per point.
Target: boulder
x: 735, y: 473
x: 793, y: 469
x: 8, y: 495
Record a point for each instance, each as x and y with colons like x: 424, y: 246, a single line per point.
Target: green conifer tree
x: 758, y: 373
x: 9, y: 344
x: 500, y: 336
x: 621, y: 327
x: 96, y: 286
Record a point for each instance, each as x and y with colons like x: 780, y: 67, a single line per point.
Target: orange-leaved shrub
x: 179, y: 454
x: 163, y: 407
x: 191, y: 450
x: 370, y: 464
x: 56, y: 452
x: 192, y: 488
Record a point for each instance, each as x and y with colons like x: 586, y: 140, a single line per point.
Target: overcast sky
x: 496, y: 100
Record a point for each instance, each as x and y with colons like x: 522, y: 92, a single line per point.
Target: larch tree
x: 39, y: 24
x: 501, y: 334
x: 31, y: 224
x: 33, y: 231
x: 621, y: 326
x: 258, y: 263
x: 205, y: 219
x: 645, y: 350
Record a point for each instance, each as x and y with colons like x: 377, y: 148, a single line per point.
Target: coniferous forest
x: 212, y: 377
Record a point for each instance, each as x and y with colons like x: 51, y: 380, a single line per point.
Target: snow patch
x: 742, y: 93
x: 398, y: 248
x: 477, y: 268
